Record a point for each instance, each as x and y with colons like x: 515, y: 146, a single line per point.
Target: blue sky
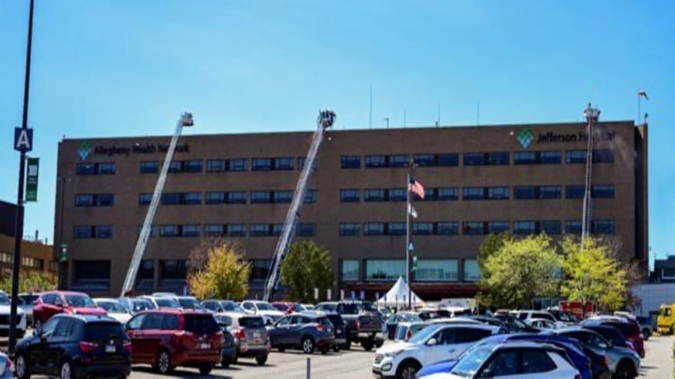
x: 126, y: 67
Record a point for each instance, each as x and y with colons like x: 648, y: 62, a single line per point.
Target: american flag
x: 415, y: 187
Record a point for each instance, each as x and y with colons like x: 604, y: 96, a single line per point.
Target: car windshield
x: 231, y: 306
x: 471, y: 362
x: 4, y: 300
x: 167, y: 302
x: 141, y: 305
x: 80, y: 301
x: 188, y: 303
x: 201, y: 324
x: 424, y: 333
x: 111, y: 307
x: 265, y: 307
x: 225, y: 320
x: 411, y: 317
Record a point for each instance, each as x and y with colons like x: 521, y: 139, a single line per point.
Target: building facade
x: 478, y: 180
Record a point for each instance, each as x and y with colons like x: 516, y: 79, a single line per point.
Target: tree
x: 218, y: 270
x: 305, y: 267
x: 490, y: 245
x: 593, y: 274
x: 33, y: 282
x: 519, y: 271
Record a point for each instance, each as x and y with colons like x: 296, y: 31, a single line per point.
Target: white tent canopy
x: 398, y: 296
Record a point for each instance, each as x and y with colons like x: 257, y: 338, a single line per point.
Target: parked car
x: 263, y: 309
x: 430, y: 345
x: 525, y: 315
x: 563, y: 317
x: 406, y: 330
x: 339, y: 328
x: 303, y: 331
x: 135, y: 305
x: 166, y: 338
x: 162, y: 301
x: 514, y: 325
x: 189, y: 302
x: 6, y: 367
x: 392, y: 322
x: 647, y: 326
x: 250, y: 335
x: 114, y: 308
x: 5, y: 317
x: 363, y: 323
x: 629, y: 328
x: 309, y: 307
x: 611, y: 334
x: 514, y: 359
x: 622, y: 362
x: 55, y: 302
x: 26, y: 303
x: 219, y: 306
x: 541, y: 323
x: 75, y: 346
x: 229, y: 348
x: 288, y: 307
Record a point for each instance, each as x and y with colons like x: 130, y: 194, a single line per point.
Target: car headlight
x: 392, y: 354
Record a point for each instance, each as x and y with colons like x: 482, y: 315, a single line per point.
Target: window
x: 524, y: 157
x: 237, y: 164
x: 398, y: 194
x: 425, y: 160
x: 525, y: 192
x: 216, y: 197
x: 473, y: 193
x: 100, y: 200
x: 237, y: 197
x: 283, y: 164
x: 602, y: 191
x: 192, y: 198
x: 498, y: 193
x: 486, y: 159
x: 575, y: 156
x: 449, y: 228
x: 423, y: 228
x: 182, y: 198
x: 350, y: 195
x: 396, y: 228
x: 305, y: 229
x: 350, y: 229
x: 603, y: 156
x: 153, y: 230
x: 350, y: 161
x: 103, y: 231
x: 144, y: 199
x: 373, y: 229
x: 277, y: 229
x: 259, y: 270
x: 280, y: 197
x: 471, y: 270
x: 574, y: 192
x: 550, y: 227
x: 310, y: 197
x: 550, y: 192
x: 149, y: 167
x: 573, y: 227
x: 169, y: 231
x: 146, y: 270
x: 603, y: 227
x: 439, y: 270
x: 191, y: 231
x: 448, y: 193
x: 261, y: 164
x: 474, y: 159
x: 84, y: 200
x: 376, y: 161
x: 104, y: 168
x: 349, y: 270
x: 195, y: 165
x: 100, y: 231
x: 92, y: 276
x: 536, y: 157
x: 373, y: 195
x: 384, y: 270
x: 496, y: 227
x: 175, y: 167
x: 473, y: 228
x: 260, y: 230
x: 170, y: 199
x: 216, y: 165
x: 399, y: 160
x: 236, y: 230
x: 448, y: 160
x: 105, y: 200
x: 549, y: 157
x: 469, y: 334
x: 173, y: 269
x: 524, y: 227
x: 261, y: 197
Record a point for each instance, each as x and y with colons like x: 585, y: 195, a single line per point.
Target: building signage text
x: 150, y: 148
x: 551, y: 137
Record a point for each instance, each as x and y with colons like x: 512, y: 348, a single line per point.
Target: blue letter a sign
x: 23, y: 139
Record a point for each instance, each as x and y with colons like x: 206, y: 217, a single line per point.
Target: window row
x: 228, y: 230
x: 224, y: 165
x: 97, y: 231
x: 94, y: 200
x: 101, y: 168
x: 223, y: 197
x: 428, y: 270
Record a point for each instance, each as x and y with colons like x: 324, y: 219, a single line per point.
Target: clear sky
x: 129, y: 67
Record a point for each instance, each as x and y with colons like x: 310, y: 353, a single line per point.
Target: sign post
x: 32, y: 179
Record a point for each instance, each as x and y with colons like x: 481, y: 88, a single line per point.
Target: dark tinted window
x: 348, y: 309
x: 535, y: 361
x: 503, y: 363
x: 251, y: 322
x: 170, y: 322
x: 465, y: 335
x: 96, y: 331
x: 152, y: 321
x: 336, y: 320
x: 64, y: 328
x: 201, y: 324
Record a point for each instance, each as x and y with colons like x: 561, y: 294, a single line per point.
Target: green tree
x: 33, y: 282
x: 519, y: 271
x: 592, y: 274
x: 305, y: 267
x: 490, y: 245
x: 218, y: 270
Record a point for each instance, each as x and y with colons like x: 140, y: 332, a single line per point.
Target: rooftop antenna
x: 386, y: 119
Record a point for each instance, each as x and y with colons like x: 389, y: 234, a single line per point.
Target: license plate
x: 338, y: 331
x: 110, y: 348
x: 256, y: 335
x: 205, y: 346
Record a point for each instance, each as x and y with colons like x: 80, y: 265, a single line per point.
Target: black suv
x: 75, y: 346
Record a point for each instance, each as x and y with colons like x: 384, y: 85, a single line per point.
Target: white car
x: 430, y: 345
x: 5, y: 316
x: 512, y: 360
x: 162, y: 301
x: 541, y: 323
x: 262, y: 309
x: 529, y: 315
x: 114, y: 308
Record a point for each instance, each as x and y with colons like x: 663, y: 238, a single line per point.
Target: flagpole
x: 408, y: 209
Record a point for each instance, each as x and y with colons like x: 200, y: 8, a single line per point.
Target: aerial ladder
x: 324, y: 121
x: 185, y: 120
x: 592, y: 115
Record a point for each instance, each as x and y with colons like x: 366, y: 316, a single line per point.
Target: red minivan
x: 166, y: 338
x: 54, y: 302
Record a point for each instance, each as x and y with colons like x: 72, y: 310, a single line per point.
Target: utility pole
x: 18, y: 231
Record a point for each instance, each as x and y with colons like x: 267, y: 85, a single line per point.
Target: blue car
x: 574, y: 351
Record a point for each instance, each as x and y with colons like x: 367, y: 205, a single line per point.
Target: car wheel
x: 307, y: 345
x: 336, y: 348
x: 163, y: 364
x: 225, y: 362
x: 22, y: 367
x: 379, y: 343
x: 324, y: 350
x: 367, y: 345
x: 407, y: 370
x: 205, y: 369
x: 66, y: 371
x: 624, y: 371
x: 261, y: 359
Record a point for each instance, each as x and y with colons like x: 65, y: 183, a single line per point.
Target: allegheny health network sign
x: 85, y: 150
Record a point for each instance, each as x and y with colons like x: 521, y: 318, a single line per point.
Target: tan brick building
x: 479, y: 180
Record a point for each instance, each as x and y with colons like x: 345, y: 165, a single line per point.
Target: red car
x: 166, y: 338
x: 288, y: 307
x: 50, y: 303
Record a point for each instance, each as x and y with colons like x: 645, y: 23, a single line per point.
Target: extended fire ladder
x: 592, y: 115
x: 185, y: 120
x: 324, y: 121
